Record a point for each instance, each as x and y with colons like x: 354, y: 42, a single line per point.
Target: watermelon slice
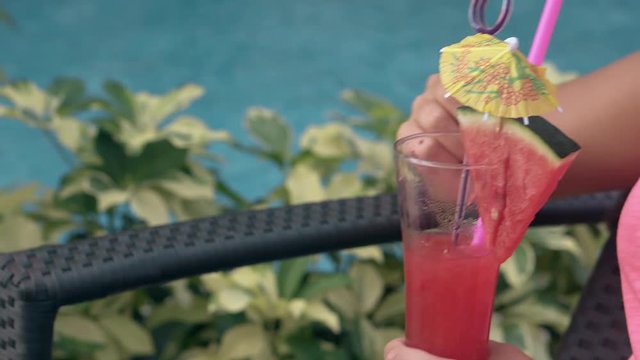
x: 523, y: 167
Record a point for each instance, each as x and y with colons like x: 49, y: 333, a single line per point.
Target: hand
x: 432, y: 112
x: 397, y: 350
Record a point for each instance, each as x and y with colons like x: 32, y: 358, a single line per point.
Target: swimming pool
x: 290, y: 55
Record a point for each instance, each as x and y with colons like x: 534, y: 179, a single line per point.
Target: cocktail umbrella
x: 494, y: 77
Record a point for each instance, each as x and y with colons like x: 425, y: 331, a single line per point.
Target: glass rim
x: 430, y: 163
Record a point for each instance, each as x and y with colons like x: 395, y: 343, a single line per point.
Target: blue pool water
x: 291, y: 55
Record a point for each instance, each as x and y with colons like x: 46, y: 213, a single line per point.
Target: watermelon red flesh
x: 523, y: 170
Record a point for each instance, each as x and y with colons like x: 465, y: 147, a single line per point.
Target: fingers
x: 408, y: 128
x: 392, y: 348
x: 500, y: 351
x: 440, y: 183
x: 446, y: 148
x: 433, y: 113
x: 452, y: 143
x: 430, y: 148
x: 436, y: 91
x: 397, y: 350
x: 431, y: 116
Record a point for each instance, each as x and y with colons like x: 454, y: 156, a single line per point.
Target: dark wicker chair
x: 35, y: 283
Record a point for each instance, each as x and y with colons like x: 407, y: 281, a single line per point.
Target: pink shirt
x: 628, y: 241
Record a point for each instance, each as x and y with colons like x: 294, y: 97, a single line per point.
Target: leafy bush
x: 136, y: 160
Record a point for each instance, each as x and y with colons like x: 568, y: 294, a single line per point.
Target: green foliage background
x: 135, y: 159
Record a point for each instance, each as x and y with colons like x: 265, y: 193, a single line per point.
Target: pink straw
x: 478, y: 234
x: 545, y: 30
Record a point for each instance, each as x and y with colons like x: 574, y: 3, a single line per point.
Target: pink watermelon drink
x: 450, y: 284
x: 449, y: 291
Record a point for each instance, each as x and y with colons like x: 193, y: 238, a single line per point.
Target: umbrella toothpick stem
x: 525, y: 120
x: 485, y: 117
x: 447, y: 95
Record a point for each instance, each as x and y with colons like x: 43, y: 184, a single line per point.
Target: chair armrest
x: 36, y: 282
x: 598, y: 328
x: 592, y: 208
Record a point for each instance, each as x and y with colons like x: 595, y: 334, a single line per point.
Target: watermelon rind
x: 546, y: 137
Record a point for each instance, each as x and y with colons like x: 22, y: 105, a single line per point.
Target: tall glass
x: 450, y: 271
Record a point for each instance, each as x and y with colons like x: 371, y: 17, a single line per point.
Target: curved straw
x: 477, y: 19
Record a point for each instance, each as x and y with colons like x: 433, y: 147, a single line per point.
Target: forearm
x: 602, y: 114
